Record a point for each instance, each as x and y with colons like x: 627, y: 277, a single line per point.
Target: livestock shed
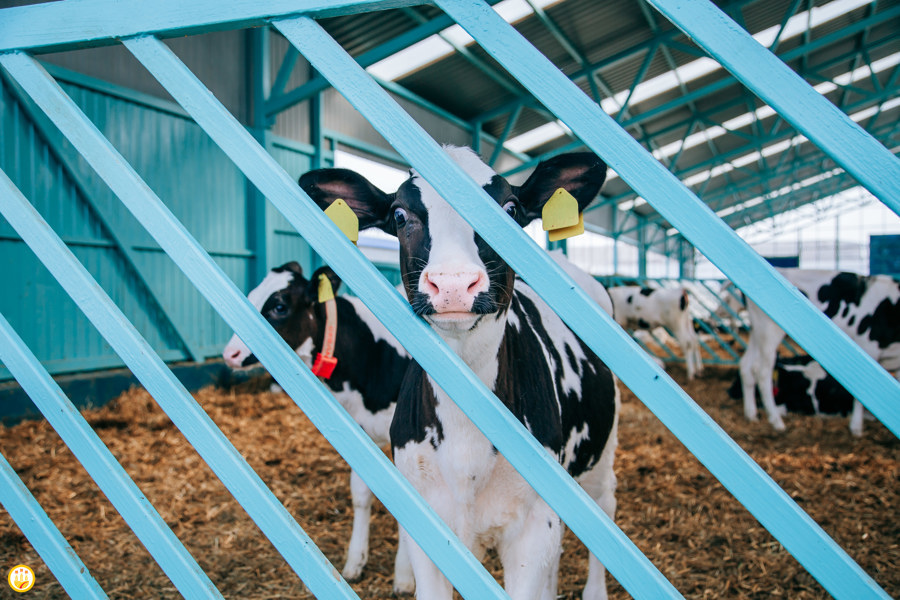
x: 149, y: 161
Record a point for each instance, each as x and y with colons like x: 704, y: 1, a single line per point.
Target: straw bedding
x: 699, y: 537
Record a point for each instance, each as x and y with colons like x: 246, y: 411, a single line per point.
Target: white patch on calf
x: 575, y: 438
x: 236, y: 351
x: 376, y: 425
x: 379, y: 331
x: 274, y: 282
x: 304, y: 351
x: 453, y: 255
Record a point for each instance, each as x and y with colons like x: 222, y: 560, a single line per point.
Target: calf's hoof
x: 404, y: 588
x: 777, y: 424
x: 352, y: 573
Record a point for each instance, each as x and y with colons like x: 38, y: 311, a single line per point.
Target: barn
x: 149, y: 159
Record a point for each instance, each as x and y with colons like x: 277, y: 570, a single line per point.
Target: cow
x: 802, y: 386
x: 366, y: 378
x: 866, y: 308
x: 637, y: 307
x: 519, y: 348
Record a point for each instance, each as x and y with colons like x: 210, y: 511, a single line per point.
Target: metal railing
x: 138, y: 23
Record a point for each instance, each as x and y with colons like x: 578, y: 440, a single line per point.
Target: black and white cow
x: 516, y: 345
x: 802, y: 386
x: 866, y: 308
x: 637, y: 307
x: 366, y: 379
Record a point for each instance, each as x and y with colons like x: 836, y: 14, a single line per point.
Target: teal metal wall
x: 201, y: 186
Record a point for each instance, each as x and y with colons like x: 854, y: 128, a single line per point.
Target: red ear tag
x: 324, y: 366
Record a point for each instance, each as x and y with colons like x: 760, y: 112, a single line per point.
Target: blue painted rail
x: 105, y: 21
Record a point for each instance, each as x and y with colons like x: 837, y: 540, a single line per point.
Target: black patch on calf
x: 793, y: 391
x: 527, y: 386
x: 845, y: 287
x: 415, y: 413
x: 883, y: 324
x: 833, y: 398
x: 793, y: 388
x: 682, y: 303
x: 646, y: 291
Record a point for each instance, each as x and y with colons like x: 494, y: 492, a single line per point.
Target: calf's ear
x: 370, y: 204
x: 580, y: 173
x: 293, y: 266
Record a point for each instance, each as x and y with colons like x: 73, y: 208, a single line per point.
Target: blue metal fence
x: 136, y: 23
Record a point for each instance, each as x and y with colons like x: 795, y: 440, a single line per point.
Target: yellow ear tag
x: 567, y: 232
x: 561, y: 217
x: 326, y: 292
x: 344, y: 218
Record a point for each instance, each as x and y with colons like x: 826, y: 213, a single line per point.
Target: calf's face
x: 452, y: 277
x: 289, y: 302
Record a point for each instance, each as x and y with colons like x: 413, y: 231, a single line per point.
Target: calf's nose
x: 454, y: 291
x: 232, y: 357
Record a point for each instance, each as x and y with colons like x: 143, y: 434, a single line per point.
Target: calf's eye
x: 279, y: 310
x: 400, y: 217
x: 510, y: 208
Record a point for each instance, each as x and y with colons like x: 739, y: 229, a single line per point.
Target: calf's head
x: 452, y: 277
x: 289, y: 302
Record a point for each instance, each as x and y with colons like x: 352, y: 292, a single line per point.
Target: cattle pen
x: 70, y: 121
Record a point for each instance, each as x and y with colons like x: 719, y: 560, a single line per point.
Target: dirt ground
x: 703, y: 540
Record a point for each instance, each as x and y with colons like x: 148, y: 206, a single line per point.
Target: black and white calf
x: 518, y: 347
x: 802, y: 386
x: 366, y: 379
x: 866, y: 308
x: 637, y: 307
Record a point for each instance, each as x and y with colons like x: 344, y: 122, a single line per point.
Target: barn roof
x: 744, y: 161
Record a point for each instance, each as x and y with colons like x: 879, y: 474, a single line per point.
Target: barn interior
x: 751, y: 166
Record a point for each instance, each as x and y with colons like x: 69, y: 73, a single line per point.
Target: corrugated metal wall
x: 198, y: 183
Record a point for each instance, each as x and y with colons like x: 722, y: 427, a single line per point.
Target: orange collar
x: 325, y: 361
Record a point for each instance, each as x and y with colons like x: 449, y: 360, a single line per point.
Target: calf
x: 866, y: 308
x: 802, y: 386
x: 560, y: 391
x: 637, y: 307
x: 366, y: 379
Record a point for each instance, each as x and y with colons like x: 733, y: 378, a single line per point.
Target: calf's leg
x: 358, y: 550
x: 528, y: 550
x: 404, y: 582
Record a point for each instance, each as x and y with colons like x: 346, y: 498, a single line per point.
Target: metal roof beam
x: 788, y: 170
x: 610, y: 61
x: 688, y: 98
x: 366, y: 59
x: 726, y: 157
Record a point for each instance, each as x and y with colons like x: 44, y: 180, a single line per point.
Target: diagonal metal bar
x: 211, y: 444
x: 316, y: 84
x: 770, y: 504
x: 98, y: 461
x: 43, y: 535
x: 68, y: 25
